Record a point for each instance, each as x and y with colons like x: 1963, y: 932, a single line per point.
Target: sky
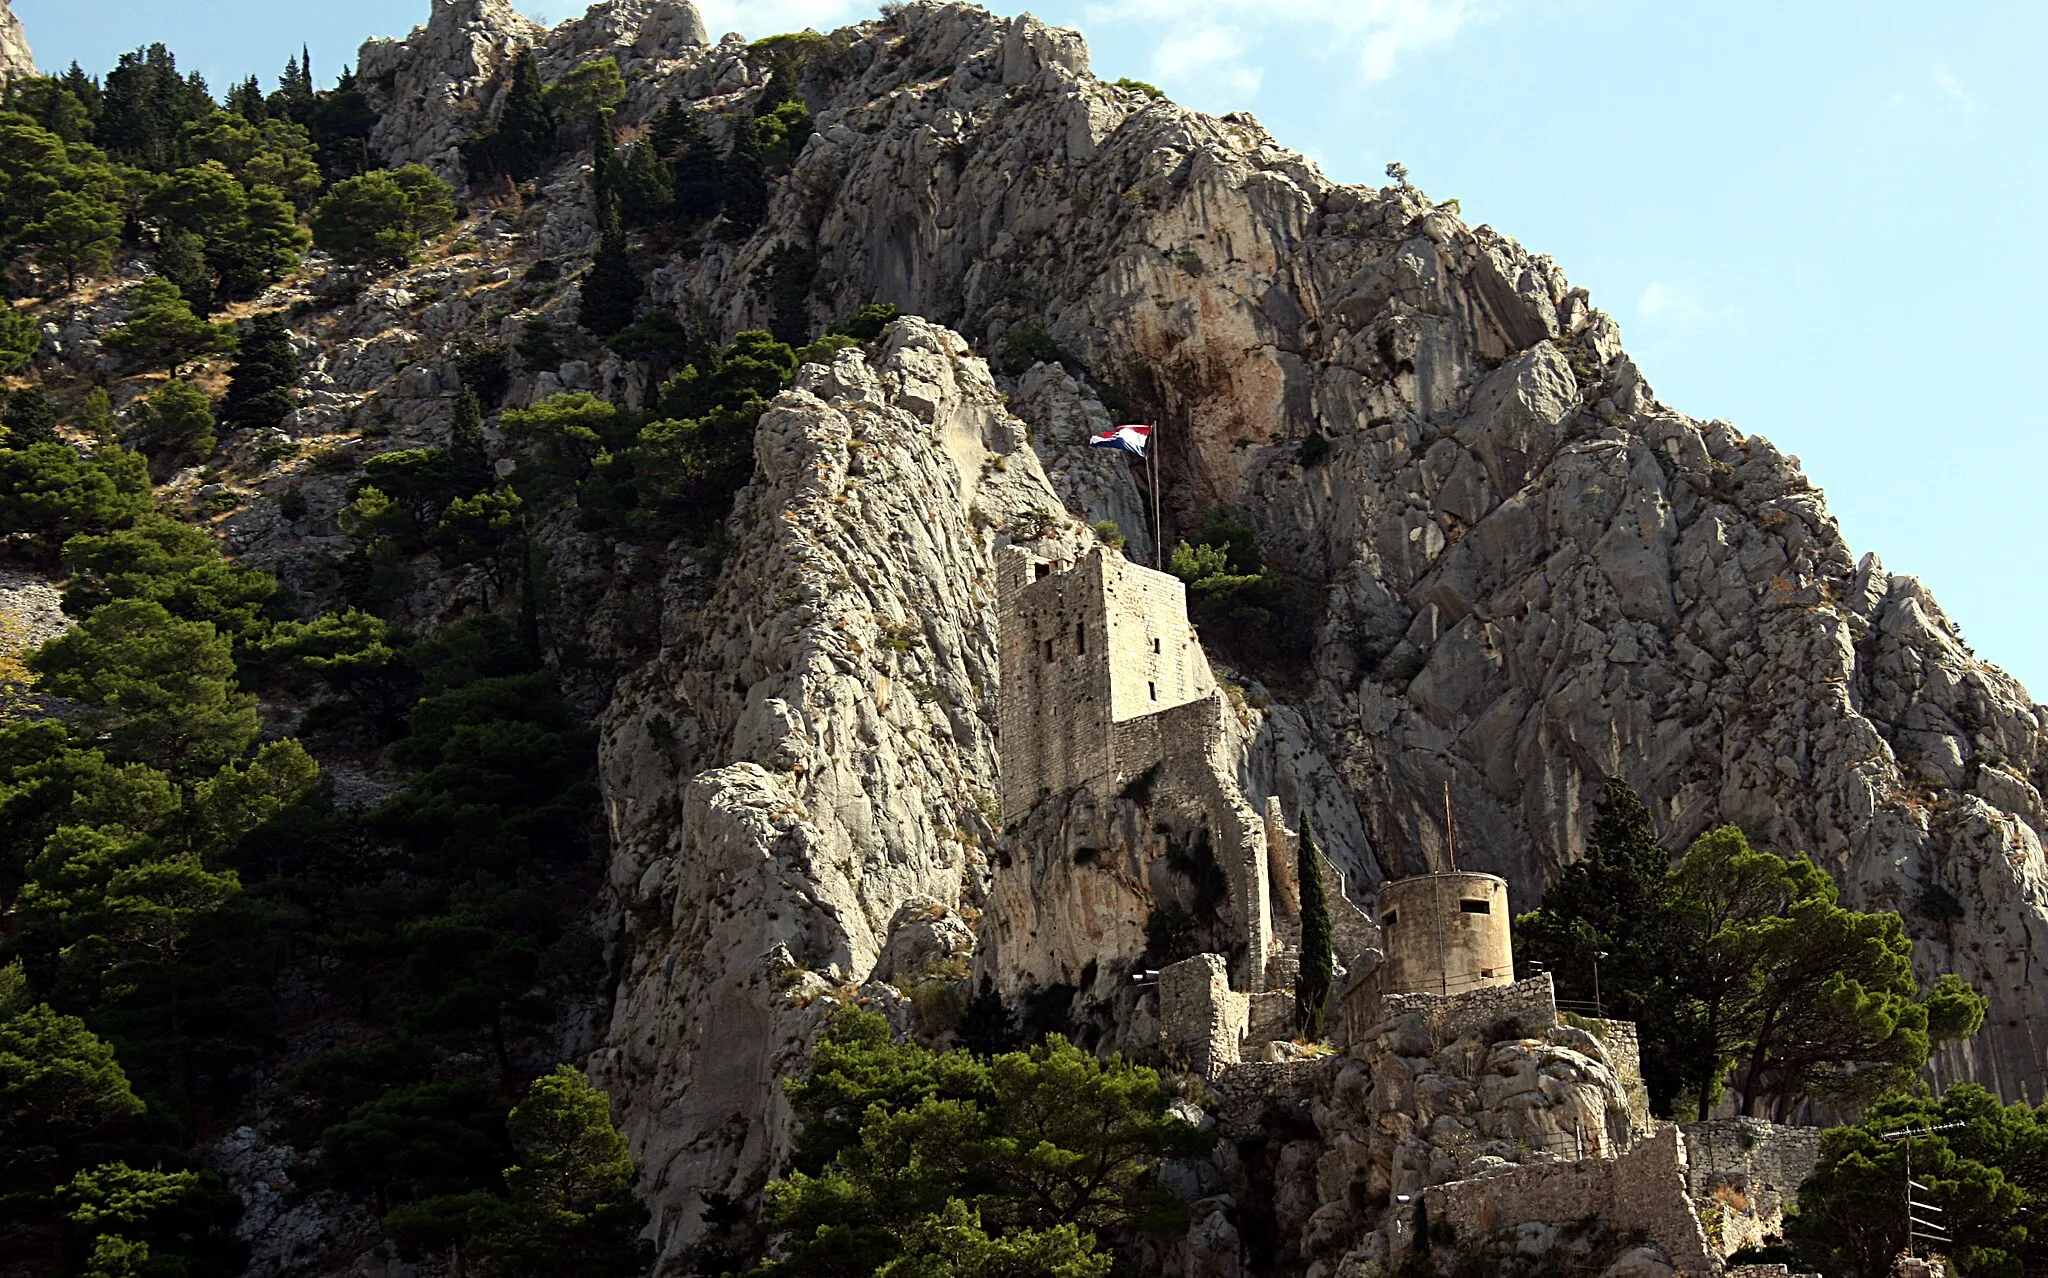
x: 1819, y: 221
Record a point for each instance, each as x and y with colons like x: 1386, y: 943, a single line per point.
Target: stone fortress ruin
x: 1451, y: 1080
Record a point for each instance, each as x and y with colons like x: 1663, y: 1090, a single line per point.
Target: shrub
x: 176, y: 423
x: 1139, y: 86
x: 381, y: 218
x: 162, y: 329
x: 1026, y: 345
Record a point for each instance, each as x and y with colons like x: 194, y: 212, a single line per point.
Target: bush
x: 1026, y: 345
x: 381, y: 218
x: 20, y: 338
x: 1139, y: 86
x: 176, y: 424
x: 162, y: 328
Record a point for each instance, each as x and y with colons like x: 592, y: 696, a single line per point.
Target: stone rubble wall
x: 1644, y: 1189
x: 1744, y: 1173
x: 1625, y: 1054
x: 1203, y: 1021
x: 1531, y: 1004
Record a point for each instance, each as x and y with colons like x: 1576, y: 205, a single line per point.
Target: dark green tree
x: 1024, y: 1158
x: 382, y: 217
x: 266, y: 372
x: 51, y: 493
x: 59, y: 1084
x: 20, y: 338
x: 181, y: 259
x: 572, y: 1209
x: 30, y: 418
x: 646, y: 189
x: 1989, y: 1180
x: 469, y: 464
x: 1318, y: 960
x: 743, y: 180
x: 988, y: 1025
x: 176, y: 424
x: 161, y: 690
x: 77, y: 233
x: 162, y: 329
x: 612, y: 289
x: 523, y: 142
x: 698, y: 173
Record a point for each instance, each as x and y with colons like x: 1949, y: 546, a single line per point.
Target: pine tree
x: 1318, y: 963
x: 469, y: 465
x: 181, y: 259
x: 30, y: 418
x: 744, y: 185
x: 611, y: 290
x: 96, y: 418
x: 246, y: 100
x: 699, y: 174
x: 646, y: 195
x: 266, y: 370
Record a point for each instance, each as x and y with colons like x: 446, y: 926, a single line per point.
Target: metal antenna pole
x: 1158, y: 531
x: 1918, y: 1230
x: 1450, y: 828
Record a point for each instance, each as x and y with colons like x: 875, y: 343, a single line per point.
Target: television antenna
x: 1919, y: 1229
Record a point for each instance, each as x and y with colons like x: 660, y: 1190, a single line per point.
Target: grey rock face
x: 811, y: 753
x: 16, y: 61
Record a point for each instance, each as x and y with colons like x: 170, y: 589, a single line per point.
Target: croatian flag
x: 1132, y: 439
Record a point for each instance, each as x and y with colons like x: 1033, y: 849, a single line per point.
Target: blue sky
x: 1817, y: 220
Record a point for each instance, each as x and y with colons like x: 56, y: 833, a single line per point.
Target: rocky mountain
x: 1533, y: 573
x: 1525, y: 573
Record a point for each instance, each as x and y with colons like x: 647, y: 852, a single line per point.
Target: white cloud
x: 1676, y: 306
x: 1216, y: 41
x: 1948, y: 86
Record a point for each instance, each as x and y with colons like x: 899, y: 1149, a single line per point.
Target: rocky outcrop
x: 1533, y: 573
x: 16, y: 61
x: 811, y: 752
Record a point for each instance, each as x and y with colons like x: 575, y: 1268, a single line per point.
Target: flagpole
x: 1158, y: 532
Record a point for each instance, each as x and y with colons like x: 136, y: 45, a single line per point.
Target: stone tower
x: 1445, y: 934
x: 1102, y: 675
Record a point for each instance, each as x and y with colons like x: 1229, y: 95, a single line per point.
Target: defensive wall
x: 1642, y: 1190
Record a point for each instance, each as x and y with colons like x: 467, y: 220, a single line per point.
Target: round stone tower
x: 1445, y: 934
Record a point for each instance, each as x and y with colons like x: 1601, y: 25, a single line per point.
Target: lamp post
x: 1597, y: 1010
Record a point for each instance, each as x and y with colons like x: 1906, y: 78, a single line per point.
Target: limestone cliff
x: 16, y: 61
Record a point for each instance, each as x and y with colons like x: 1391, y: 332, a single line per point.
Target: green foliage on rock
x: 176, y: 423
x: 265, y: 373
x: 1318, y: 958
x: 1741, y: 966
x: 162, y: 330
x: 915, y: 1162
x: 382, y: 218
x: 1989, y: 1181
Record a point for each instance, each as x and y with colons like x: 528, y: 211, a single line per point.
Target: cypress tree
x: 1318, y: 963
x: 673, y: 129
x: 525, y: 137
x: 744, y: 184
x: 699, y: 174
x: 646, y: 194
x: 611, y: 290
x: 606, y: 177
x: 266, y: 370
x: 469, y: 465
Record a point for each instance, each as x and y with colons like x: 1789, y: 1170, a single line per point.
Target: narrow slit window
x: 1155, y: 647
x: 1476, y: 907
x: 1080, y: 638
x: 1042, y: 570
x: 1049, y: 657
x: 1153, y: 688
